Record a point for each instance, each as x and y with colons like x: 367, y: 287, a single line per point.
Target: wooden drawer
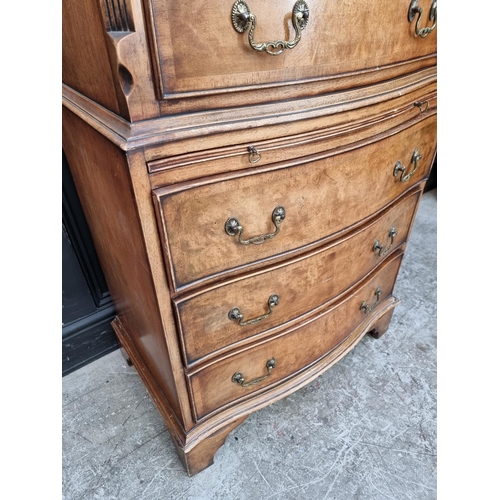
x: 322, y: 194
x: 212, y: 387
x: 280, y: 144
x: 208, y: 57
x: 302, y: 286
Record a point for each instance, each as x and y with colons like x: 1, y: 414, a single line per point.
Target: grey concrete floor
x: 366, y: 429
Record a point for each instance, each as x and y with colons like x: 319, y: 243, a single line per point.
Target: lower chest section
x: 278, y: 267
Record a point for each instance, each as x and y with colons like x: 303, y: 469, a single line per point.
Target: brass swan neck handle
x: 238, y: 377
x: 242, y: 18
x: 416, y: 9
x: 235, y: 313
x: 234, y: 228
x: 415, y: 157
x: 368, y: 308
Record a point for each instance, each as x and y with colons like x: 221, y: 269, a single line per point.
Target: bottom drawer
x: 279, y: 358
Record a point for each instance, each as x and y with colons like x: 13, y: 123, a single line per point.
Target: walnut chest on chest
x: 250, y: 172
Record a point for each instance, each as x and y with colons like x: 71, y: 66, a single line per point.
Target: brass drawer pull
x: 369, y: 308
x: 242, y: 18
x: 416, y: 156
x: 233, y: 228
x: 238, y: 378
x: 236, y: 315
x: 422, y: 106
x: 416, y: 9
x: 253, y: 154
x: 382, y: 251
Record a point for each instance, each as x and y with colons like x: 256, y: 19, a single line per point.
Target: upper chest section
x: 223, y: 53
x: 169, y: 57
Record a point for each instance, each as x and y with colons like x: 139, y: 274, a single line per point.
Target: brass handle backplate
x: 235, y: 313
x: 416, y: 9
x: 369, y: 308
x: 238, y: 378
x: 384, y: 250
x: 233, y: 228
x: 416, y: 156
x: 242, y: 18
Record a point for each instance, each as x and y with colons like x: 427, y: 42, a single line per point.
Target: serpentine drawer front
x: 250, y: 172
x: 302, y: 285
x: 319, y: 199
x: 170, y: 167
x: 213, y: 386
x: 275, y: 44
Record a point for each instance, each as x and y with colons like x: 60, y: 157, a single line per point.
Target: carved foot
x: 202, y: 455
x: 381, y: 325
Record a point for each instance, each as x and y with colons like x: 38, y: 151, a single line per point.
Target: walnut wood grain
x: 262, y: 399
x: 101, y: 174
x: 105, y: 56
x: 85, y: 65
x: 215, y: 126
x: 321, y: 198
x: 252, y: 96
x: 185, y: 442
x: 140, y: 184
x: 339, y: 130
x: 212, y: 385
x: 129, y: 61
x: 340, y: 37
x: 128, y: 66
x: 161, y: 103
x: 303, y: 284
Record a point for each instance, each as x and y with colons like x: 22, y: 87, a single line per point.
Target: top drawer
x: 199, y: 52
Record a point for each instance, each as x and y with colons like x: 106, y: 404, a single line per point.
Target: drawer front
x: 321, y: 198
x: 280, y: 144
x: 198, y: 51
x: 302, y: 286
x: 213, y: 387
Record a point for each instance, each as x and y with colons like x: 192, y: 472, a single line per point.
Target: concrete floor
x: 366, y: 429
